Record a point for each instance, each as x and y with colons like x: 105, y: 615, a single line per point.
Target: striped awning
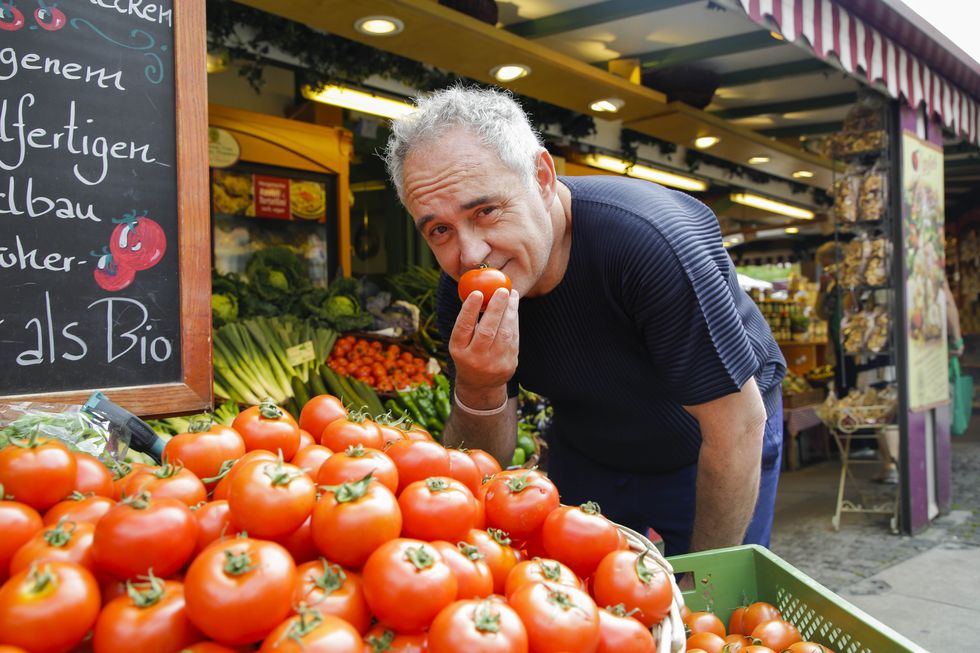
x: 864, y: 52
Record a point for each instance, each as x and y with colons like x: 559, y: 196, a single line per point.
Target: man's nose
x: 473, y: 251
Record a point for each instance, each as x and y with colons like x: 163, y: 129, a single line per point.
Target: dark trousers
x: 664, y: 502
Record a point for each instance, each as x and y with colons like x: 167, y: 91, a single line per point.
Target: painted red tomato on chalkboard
x: 49, y: 17
x: 11, y: 18
x: 110, y: 274
x: 137, y: 241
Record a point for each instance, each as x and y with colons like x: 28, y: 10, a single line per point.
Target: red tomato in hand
x: 91, y: 476
x: 38, y: 471
x: 156, y: 622
x: 48, y: 608
x: 19, y: 524
x: 204, y: 452
x: 407, y: 583
x: 480, y: 626
x: 355, y: 463
x: 438, y: 508
x: 474, y: 580
x: 268, y: 427
x: 331, y: 589
x: 320, y: 411
x: 142, y: 533
x: 137, y: 241
x: 485, y: 280
x: 557, y: 618
x: 271, y: 499
x: 67, y: 542
x: 625, y: 577
x: 497, y: 552
x: 579, y: 536
x: 78, y: 508
x: 520, y: 503
x: 238, y: 591
x: 620, y: 633
x: 354, y: 519
x: 540, y: 570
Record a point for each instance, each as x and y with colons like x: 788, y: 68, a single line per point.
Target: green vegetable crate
x: 727, y: 578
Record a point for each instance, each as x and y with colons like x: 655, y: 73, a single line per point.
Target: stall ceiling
x: 772, y: 96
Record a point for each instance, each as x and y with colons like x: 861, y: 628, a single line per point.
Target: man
x: 625, y: 313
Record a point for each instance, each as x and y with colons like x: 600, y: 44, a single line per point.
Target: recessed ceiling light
x: 803, y: 174
x: 378, y: 25
x: 607, y: 105
x: 704, y: 142
x: 509, y: 72
x: 758, y: 160
x: 776, y: 35
x: 792, y: 230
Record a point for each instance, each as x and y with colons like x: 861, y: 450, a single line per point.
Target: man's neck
x: 561, y: 219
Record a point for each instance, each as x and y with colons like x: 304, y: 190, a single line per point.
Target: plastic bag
x: 71, y: 424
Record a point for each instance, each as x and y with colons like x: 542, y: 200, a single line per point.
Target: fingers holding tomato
x: 486, y: 281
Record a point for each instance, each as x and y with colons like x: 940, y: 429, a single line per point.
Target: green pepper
x: 519, y: 458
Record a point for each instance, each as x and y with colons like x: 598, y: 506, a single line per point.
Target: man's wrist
x: 480, y: 398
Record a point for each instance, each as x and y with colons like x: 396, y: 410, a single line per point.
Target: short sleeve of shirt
x: 678, y: 286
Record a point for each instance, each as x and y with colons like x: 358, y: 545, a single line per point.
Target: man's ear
x: 545, y: 176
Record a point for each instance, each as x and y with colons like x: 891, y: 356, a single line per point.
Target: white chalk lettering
x: 150, y: 12
x: 15, y: 200
x: 23, y: 258
x: 120, y: 343
x: 11, y: 65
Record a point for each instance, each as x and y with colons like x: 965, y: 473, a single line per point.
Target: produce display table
x: 795, y: 421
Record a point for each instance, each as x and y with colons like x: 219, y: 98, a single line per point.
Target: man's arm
x: 729, y: 466
x: 484, y: 351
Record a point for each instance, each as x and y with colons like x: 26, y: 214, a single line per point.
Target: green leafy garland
x: 329, y: 59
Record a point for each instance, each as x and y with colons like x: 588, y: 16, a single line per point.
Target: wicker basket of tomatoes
x: 383, y: 363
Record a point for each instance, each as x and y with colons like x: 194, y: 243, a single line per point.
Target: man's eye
x: 486, y: 210
x: 439, y: 230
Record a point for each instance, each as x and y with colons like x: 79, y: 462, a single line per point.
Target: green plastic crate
x: 728, y: 578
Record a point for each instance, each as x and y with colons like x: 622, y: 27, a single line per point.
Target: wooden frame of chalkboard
x: 190, y: 389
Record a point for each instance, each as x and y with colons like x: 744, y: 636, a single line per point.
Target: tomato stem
x: 591, y: 508
x: 60, y: 535
x: 486, y: 618
x: 201, y: 423
x: 308, y: 621
x: 436, y: 484
x: 551, y: 571
x: 355, y: 451
x: 40, y: 578
x: 74, y: 496
x: 269, y: 410
x: 380, y: 644
x: 644, y: 573
x: 278, y: 474
x: 470, y: 551
x: 237, y: 564
x: 222, y: 472
x: 350, y: 491
x: 121, y: 470
x: 518, y: 484
x: 332, y: 578
x: 620, y: 610
x: 167, y: 470
x: 139, y: 501
x: 146, y: 593
x: 500, y: 537
x: 419, y: 556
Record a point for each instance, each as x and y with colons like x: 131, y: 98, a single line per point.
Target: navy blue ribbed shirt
x: 648, y: 318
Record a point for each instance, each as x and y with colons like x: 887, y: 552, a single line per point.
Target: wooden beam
x: 803, y: 130
x: 776, y: 71
x: 706, y: 50
x: 589, y: 15
x: 791, y: 106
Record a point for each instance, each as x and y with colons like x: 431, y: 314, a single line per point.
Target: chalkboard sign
x: 103, y: 167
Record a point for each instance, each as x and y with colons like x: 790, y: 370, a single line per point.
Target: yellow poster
x: 925, y: 270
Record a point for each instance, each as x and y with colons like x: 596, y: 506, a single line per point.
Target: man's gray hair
x: 492, y: 115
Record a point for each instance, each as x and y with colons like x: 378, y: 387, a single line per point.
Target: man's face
x: 472, y: 210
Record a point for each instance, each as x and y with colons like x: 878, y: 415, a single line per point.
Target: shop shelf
x: 727, y: 578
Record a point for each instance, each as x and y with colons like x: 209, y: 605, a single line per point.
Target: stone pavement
x: 926, y: 587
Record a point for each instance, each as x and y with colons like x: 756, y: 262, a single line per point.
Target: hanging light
x: 355, y: 100
x: 663, y: 177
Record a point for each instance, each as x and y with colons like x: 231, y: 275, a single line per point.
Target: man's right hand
x: 485, y: 350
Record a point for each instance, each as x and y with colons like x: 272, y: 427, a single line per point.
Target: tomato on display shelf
x: 384, y: 368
